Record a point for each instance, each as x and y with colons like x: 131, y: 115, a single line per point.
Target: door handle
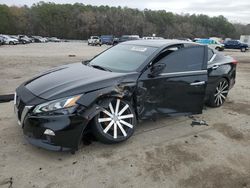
x: 215, y: 67
x: 198, y: 83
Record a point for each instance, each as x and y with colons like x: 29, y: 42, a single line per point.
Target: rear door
x: 179, y: 89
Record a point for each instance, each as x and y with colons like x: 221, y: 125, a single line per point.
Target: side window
x: 166, y: 52
x: 210, y: 54
x: 184, y: 59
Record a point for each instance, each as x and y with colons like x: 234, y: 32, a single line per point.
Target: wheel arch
x: 96, y: 108
x: 93, y: 102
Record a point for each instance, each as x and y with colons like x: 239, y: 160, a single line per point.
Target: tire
x: 110, y: 128
x: 243, y: 49
x: 219, y: 94
x: 11, y: 43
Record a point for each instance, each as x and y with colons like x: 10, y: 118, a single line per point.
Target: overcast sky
x: 234, y: 10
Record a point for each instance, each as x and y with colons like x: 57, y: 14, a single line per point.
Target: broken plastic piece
x: 198, y: 122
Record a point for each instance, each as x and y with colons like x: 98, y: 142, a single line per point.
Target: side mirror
x: 157, y: 69
x: 85, y: 62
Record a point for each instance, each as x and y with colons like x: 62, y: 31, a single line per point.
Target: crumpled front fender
x: 95, y: 101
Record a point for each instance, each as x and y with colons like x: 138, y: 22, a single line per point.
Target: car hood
x: 71, y: 80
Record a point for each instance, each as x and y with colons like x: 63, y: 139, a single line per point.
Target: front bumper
x: 68, y: 131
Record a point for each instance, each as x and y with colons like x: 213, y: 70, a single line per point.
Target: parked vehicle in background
x: 31, y: 38
x: 211, y: 43
x: 40, y: 39
x: 1, y: 40
x: 236, y: 44
x: 24, y: 37
x: 116, y: 41
x: 152, y: 38
x: 125, y: 38
x: 94, y: 41
x: 21, y: 40
x: 53, y: 39
x: 9, y: 40
x: 107, y: 39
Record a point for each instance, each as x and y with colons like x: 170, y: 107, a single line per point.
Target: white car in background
x: 9, y: 40
x: 211, y: 43
x: 94, y: 41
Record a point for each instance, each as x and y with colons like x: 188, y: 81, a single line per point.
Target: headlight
x: 63, y: 106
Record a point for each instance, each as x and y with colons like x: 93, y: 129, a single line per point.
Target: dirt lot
x: 166, y: 153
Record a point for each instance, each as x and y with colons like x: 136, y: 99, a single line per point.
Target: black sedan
x: 107, y: 95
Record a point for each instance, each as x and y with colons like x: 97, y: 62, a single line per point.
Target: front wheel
x: 116, y: 123
x: 219, y: 95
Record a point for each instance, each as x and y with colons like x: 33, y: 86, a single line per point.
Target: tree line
x: 79, y: 21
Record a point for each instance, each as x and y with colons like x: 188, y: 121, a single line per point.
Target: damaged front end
x: 64, y: 132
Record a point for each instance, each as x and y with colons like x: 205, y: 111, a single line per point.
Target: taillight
x: 235, y: 62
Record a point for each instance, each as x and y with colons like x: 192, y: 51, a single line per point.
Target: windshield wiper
x: 100, y: 67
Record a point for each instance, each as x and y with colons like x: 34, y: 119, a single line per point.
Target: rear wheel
x: 219, y: 95
x: 243, y: 49
x: 11, y: 43
x: 116, y: 123
x: 219, y: 48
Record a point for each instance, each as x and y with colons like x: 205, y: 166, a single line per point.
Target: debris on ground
x: 7, y: 181
x: 6, y: 98
x: 198, y: 122
x: 71, y: 55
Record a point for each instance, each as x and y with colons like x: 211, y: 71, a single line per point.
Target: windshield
x: 123, y: 58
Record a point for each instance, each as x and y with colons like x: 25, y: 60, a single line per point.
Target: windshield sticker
x: 138, y: 49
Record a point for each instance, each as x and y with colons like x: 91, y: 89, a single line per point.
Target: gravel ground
x: 166, y: 153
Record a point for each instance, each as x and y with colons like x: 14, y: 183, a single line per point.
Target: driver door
x: 178, y: 88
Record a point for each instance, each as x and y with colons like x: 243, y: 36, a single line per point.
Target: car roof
x: 158, y: 43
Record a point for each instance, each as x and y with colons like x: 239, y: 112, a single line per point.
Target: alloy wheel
x: 117, y: 120
x: 221, y: 93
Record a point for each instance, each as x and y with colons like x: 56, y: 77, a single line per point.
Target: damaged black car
x: 131, y: 81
